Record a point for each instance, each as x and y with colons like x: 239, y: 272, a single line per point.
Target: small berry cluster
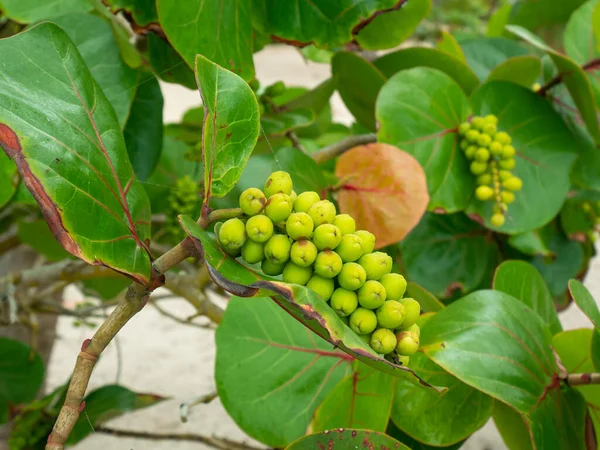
x: 303, y: 239
x: 183, y: 199
x: 492, y: 158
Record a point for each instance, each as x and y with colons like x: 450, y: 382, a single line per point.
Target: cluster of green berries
x: 183, y: 199
x: 492, y: 158
x: 303, y: 239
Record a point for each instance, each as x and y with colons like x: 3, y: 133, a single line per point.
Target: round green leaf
x: 545, y: 154
x: 439, y: 420
x: 498, y: 20
x: 530, y: 243
x: 167, y: 64
x: 347, y: 439
x: 513, y: 428
x: 278, y: 124
x: 9, y: 180
x: 29, y: 11
x: 413, y: 444
x: 494, y: 343
x: 448, y: 43
x: 530, y: 15
x: 418, y: 111
x: 522, y: 70
x: 484, y: 54
x: 585, y: 302
x: 596, y: 352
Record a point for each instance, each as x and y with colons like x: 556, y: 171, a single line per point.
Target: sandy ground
x: 154, y: 354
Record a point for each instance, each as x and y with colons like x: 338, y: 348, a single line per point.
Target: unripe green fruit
x: 305, y: 200
x: 279, y: 181
x: 253, y: 252
x: 412, y: 311
x: 322, y: 212
x: 508, y: 151
x: 363, y: 321
x: 408, y: 343
x: 497, y: 220
x: 477, y: 123
x: 484, y: 193
x: 383, y: 341
x: 277, y: 249
x: 279, y: 207
x: 232, y: 234
x: 507, y: 164
x: 503, y: 138
x: 275, y: 89
x: 482, y: 154
x: 270, y: 268
x: 471, y: 151
x: 463, y: 128
x: 328, y: 264
x: 376, y: 264
x: 327, y: 236
x: 505, y: 175
x: 513, y: 184
x: 484, y: 140
x: 303, y: 253
x: 477, y: 168
x: 322, y: 286
x: 371, y: 295
x: 299, y: 225
x: 259, y: 228
x: 293, y: 273
x: 490, y: 118
x: 350, y: 248
x: 394, y: 284
x: 484, y: 179
x: 464, y: 144
x: 496, y: 148
x: 367, y: 240
x: 345, y: 223
x: 489, y: 129
x: 414, y: 328
x: 402, y: 360
x: 252, y: 201
x: 391, y: 314
x: 352, y: 276
x: 294, y: 196
x: 472, y: 136
x: 343, y: 302
x: 507, y: 197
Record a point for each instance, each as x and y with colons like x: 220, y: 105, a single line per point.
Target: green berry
x: 477, y: 123
x: 343, y: 302
x: 497, y: 220
x: 259, y: 228
x: 270, y: 268
x: 328, y: 264
x: 279, y: 207
x: 408, y: 343
x: 507, y: 197
x: 496, y: 148
x: 402, y: 360
x: 472, y: 136
x: 350, y: 248
x: 294, y: 196
x: 232, y: 234
x: 299, y: 226
x: 412, y: 311
x: 513, y: 184
x: 507, y: 164
x: 305, y: 200
x: 293, y: 273
x: 371, y: 295
x: 464, y: 144
x: 477, y: 168
x: 383, y: 341
x: 490, y: 118
x: 394, y: 284
x: 482, y: 154
x: 414, y: 328
x: 345, y: 223
x: 253, y: 252
x: 277, y: 249
x: 508, y: 151
x: 368, y: 240
x: 352, y: 276
x: 489, y: 129
x: 391, y: 314
x: 252, y: 201
x: 376, y: 264
x: 484, y: 140
x: 279, y: 181
x: 322, y: 212
x: 303, y: 253
x: 322, y: 286
x: 363, y: 321
x: 484, y: 179
x: 463, y: 128
x: 484, y: 193
x: 470, y: 152
x: 327, y: 236
x: 503, y: 138
x: 505, y: 175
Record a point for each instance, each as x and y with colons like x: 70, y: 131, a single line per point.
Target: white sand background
x: 160, y: 356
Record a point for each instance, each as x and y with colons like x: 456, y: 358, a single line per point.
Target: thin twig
x: 579, y: 379
x: 559, y: 78
x: 171, y: 316
x: 295, y: 141
x: 185, y: 407
x: 334, y: 150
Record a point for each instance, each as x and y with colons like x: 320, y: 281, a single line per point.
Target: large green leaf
x: 9, y: 180
x: 143, y: 12
x: 350, y: 70
x: 522, y: 70
x: 484, y: 54
x: 167, y: 64
x: 347, y: 439
x: 530, y: 243
x: 29, y: 11
x: 513, y: 427
x: 530, y: 14
x: 573, y: 77
x: 144, y: 131
x: 447, y: 253
x: 231, y: 125
x: 524, y: 282
x: 362, y: 399
x: 21, y: 375
x: 545, y: 154
x: 419, y: 111
x: 305, y: 172
x: 585, y: 301
x: 494, y: 343
x: 413, y: 444
x: 438, y: 420
x: 409, y: 58
x: 219, y: 30
x: 95, y: 42
x: 278, y: 124
x: 71, y: 154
